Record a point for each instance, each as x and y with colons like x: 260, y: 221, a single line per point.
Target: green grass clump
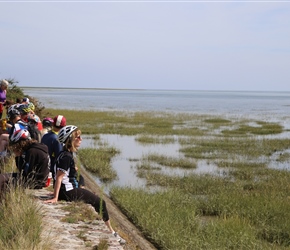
x: 217, y: 120
x: 20, y: 221
x: 227, y: 148
x: 284, y: 157
x: 171, y: 161
x: 98, y: 161
x: 262, y: 128
x: 155, y: 139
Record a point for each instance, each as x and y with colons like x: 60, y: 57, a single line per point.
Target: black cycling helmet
x: 47, y: 122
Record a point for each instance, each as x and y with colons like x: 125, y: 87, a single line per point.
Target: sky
x: 172, y: 45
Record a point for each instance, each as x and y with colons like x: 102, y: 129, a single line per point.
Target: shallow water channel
x: 131, y: 152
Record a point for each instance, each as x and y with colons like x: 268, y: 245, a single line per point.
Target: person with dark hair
x: 47, y: 124
x: 33, y: 121
x: 33, y: 162
x: 16, y: 122
x: 51, y: 141
x: 66, y: 185
x: 25, y: 111
x: 18, y: 100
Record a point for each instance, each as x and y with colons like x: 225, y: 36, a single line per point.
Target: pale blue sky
x: 236, y: 45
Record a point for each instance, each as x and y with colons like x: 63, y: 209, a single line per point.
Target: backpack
x: 32, y: 129
x: 34, y: 132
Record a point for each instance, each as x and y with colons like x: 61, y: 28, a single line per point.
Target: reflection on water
x: 130, y: 150
x: 133, y: 150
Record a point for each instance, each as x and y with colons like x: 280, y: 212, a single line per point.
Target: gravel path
x: 66, y: 236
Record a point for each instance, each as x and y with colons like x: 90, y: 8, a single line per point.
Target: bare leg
x: 108, y: 224
x: 119, y: 238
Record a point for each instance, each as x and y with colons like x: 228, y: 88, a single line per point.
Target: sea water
x: 273, y: 105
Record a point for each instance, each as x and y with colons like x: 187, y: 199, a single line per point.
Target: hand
x: 53, y: 200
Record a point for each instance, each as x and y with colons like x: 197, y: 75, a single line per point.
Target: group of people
x: 53, y: 150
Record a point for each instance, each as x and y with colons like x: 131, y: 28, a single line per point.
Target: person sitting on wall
x: 33, y: 162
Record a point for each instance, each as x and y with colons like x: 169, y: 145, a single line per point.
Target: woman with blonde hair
x: 66, y: 185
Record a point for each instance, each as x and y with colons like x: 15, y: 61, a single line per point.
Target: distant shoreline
x: 170, y: 90
x: 28, y: 87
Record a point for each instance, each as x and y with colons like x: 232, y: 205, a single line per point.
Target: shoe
x: 119, y: 238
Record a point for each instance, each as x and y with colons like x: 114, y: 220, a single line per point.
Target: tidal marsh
x: 243, y: 205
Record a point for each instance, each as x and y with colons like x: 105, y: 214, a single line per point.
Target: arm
x: 59, y: 177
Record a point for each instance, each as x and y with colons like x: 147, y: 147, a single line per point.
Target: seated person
x: 32, y: 162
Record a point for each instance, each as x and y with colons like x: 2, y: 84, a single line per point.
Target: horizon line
x: 202, y: 90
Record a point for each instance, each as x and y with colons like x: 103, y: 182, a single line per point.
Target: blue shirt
x: 54, y: 147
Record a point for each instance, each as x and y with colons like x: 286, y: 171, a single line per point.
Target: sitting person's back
x: 14, y: 119
x: 32, y: 161
x: 33, y: 121
x: 47, y: 124
x: 51, y: 141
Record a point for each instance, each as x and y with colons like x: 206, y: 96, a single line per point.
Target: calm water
x: 268, y: 106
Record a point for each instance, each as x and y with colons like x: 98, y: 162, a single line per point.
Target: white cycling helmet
x: 13, y: 111
x: 21, y: 134
x: 65, y: 133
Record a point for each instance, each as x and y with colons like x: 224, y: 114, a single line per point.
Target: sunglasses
x: 79, y: 137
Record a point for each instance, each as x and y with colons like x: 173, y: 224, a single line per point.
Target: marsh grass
x: 170, y: 161
x: 263, y: 128
x: 156, y: 226
x: 126, y: 123
x: 245, y: 206
x: 20, y: 221
x: 98, y: 161
x: 227, y: 148
x: 154, y: 139
x: 171, y: 220
x: 240, y: 164
x: 218, y: 120
x: 246, y: 218
x: 284, y: 157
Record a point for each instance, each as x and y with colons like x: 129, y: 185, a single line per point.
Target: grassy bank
x: 20, y: 222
